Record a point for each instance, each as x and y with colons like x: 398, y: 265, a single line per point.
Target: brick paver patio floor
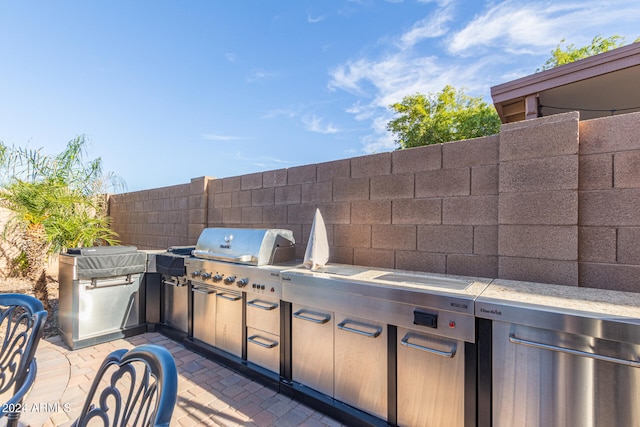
x: 209, y: 394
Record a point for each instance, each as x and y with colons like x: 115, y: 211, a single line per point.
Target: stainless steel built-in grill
x: 342, y: 318
x: 235, y: 276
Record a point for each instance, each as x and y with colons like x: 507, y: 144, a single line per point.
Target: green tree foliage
x: 56, y: 202
x: 570, y: 53
x: 449, y: 115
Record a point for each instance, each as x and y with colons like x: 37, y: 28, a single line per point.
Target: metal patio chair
x: 22, y: 319
x: 138, y: 387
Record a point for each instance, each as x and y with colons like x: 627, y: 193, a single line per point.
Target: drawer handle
x: 377, y: 332
x: 405, y: 342
x: 320, y: 321
x: 256, y: 304
x: 229, y: 297
x: 516, y: 340
x: 204, y: 291
x: 268, y: 344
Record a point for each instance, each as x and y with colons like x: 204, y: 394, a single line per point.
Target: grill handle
x: 321, y: 321
x: 229, y: 297
x: 405, y: 342
x: 108, y: 284
x: 241, y: 259
x: 257, y: 304
x: 375, y: 334
x: 631, y: 363
x: 253, y: 340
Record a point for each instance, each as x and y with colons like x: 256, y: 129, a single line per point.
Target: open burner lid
x: 246, y: 245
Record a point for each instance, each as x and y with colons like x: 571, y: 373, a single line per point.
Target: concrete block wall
x: 160, y: 217
x: 550, y: 200
x: 609, y: 203
x: 428, y: 208
x: 538, y: 209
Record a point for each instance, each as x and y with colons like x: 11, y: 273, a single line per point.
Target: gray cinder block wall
x: 550, y: 200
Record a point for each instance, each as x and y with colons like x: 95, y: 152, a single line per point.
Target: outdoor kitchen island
x: 365, y: 346
x: 382, y: 347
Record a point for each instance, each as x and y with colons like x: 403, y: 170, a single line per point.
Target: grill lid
x: 105, y: 261
x: 246, y: 246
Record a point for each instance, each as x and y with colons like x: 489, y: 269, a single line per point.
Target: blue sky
x: 165, y: 91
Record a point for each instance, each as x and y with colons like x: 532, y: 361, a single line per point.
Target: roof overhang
x: 601, y: 85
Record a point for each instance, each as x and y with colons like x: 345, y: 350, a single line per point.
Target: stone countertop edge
x: 543, y: 295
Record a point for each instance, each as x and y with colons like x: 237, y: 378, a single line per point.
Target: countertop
x: 563, y: 298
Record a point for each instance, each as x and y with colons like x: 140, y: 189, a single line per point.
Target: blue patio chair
x: 22, y: 319
x: 138, y: 387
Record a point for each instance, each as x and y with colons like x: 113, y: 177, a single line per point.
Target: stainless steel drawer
x: 264, y: 313
x: 263, y: 349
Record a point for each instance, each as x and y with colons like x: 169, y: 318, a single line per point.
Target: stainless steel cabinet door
x: 361, y: 364
x: 229, y: 322
x: 175, y: 306
x: 430, y: 380
x: 107, y: 305
x: 312, y: 348
x: 204, y: 314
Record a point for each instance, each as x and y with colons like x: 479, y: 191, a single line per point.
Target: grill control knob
x: 242, y: 283
x: 206, y: 275
x: 229, y: 280
x: 195, y: 273
x: 218, y: 277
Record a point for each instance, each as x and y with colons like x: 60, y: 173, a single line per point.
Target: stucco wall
x: 548, y: 200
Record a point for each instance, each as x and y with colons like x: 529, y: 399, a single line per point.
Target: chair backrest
x: 22, y: 319
x: 138, y: 387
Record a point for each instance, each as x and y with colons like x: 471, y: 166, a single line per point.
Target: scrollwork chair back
x: 138, y: 387
x: 22, y: 319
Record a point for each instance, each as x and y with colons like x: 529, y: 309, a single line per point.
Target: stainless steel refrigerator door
x: 551, y: 378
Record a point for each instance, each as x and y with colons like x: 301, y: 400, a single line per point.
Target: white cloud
x: 216, y: 137
x: 280, y: 112
x: 315, y: 19
x: 429, y: 27
x: 231, y: 57
x: 314, y: 123
x: 260, y: 74
x: 262, y: 162
x: 439, y: 2
x: 524, y: 27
